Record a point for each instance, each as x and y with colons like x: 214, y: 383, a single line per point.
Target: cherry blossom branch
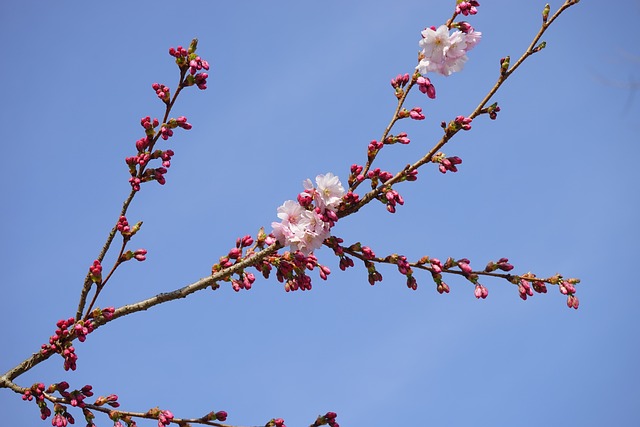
x: 188, y: 77
x: 524, y: 282
x: 534, y: 47
x: 78, y: 398
x: 452, y: 129
x: 321, y: 206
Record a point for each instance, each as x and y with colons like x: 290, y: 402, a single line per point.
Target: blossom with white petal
x: 445, y: 53
x: 303, y: 228
x: 329, y: 191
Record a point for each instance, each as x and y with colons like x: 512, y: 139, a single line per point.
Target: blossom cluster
x: 444, y: 52
x: 306, y: 223
x: 60, y: 341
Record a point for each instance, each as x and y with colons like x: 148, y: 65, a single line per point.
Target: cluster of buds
x: 463, y: 122
x: 391, y: 197
x: 61, y: 417
x: 446, y: 163
x: 37, y: 391
x: 138, y: 255
x: 125, y: 230
x: 415, y: 113
x: 75, y: 398
x: 95, y: 272
x: 291, y: 270
x: 188, y: 60
x: 275, y: 422
x: 327, y: 419
x: 164, y: 417
x: 398, y: 83
x: 401, y: 138
x: 146, y: 154
x: 567, y: 288
x: 467, y: 7
x: 373, y: 148
x: 163, y: 92
x: 493, y: 111
x: 245, y: 280
x: 216, y: 416
x: 502, y: 264
x: 60, y: 341
x: 425, y: 86
x: 480, y: 291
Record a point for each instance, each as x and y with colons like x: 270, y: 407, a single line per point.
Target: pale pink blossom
x: 302, y: 227
x: 445, y: 53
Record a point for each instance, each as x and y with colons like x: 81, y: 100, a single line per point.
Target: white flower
x: 301, y: 227
x: 445, y: 53
x: 329, y: 192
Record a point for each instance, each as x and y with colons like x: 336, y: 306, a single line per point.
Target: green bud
x: 545, y: 13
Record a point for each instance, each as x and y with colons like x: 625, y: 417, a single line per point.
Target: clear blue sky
x: 298, y: 89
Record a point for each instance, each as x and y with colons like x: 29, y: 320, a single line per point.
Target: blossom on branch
x: 445, y: 53
x: 303, y: 226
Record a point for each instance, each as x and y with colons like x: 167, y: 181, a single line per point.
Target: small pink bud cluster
x: 392, y: 198
x: 189, y: 61
x: 539, y: 287
x: 481, y: 291
x: 61, y: 417
x: 146, y: 154
x: 163, y: 92
x: 465, y: 267
x: 216, y: 416
x: 125, y: 230
x: 376, y: 175
x: 345, y: 262
x: 493, y: 111
x: 524, y: 289
x: 405, y: 269
x: 425, y: 86
x: 327, y: 419
x: 467, y: 7
x: 400, y: 81
x: 138, y: 255
x: 415, y: 113
x: 356, y: 174
x: 291, y: 270
x: 373, y: 148
x: 95, y: 272
x: 436, y: 269
x: 502, y: 264
x: 279, y: 422
x: 60, y: 341
x: 567, y: 288
x: 164, y: 418
x: 463, y: 122
x: 401, y: 138
x: 197, y: 64
x: 111, y: 400
x: 449, y: 164
x: 178, y: 52
x: 76, y: 397
x: 246, y: 282
x: 37, y: 390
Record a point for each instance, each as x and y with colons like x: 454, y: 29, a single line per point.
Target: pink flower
x: 445, y: 53
x: 329, y: 191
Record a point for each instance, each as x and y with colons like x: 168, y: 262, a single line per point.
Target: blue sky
x: 298, y: 89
